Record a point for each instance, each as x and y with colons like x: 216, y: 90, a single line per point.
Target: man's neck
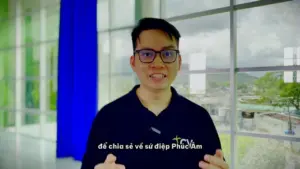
x: 154, y: 99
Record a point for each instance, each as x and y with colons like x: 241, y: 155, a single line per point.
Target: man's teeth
x: 157, y: 75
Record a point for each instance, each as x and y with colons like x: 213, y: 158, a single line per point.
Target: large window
x: 28, y: 67
x: 114, y: 49
x: 242, y: 67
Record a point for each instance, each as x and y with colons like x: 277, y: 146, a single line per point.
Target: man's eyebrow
x: 169, y: 47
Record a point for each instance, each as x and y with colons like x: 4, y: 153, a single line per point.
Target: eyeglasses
x: 148, y: 55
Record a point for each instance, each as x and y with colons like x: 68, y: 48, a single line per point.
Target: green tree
x: 267, y: 87
x: 272, y: 89
x: 289, y: 95
x: 6, y: 65
x: 243, y: 87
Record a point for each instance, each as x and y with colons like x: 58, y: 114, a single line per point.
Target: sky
x: 262, y: 33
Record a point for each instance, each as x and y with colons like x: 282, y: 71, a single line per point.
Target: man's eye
x: 168, y: 53
x: 147, y: 54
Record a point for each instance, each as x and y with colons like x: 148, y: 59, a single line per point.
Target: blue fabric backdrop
x: 77, y: 76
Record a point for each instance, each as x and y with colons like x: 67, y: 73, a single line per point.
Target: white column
x: 19, y: 95
x: 233, y: 88
x: 43, y: 72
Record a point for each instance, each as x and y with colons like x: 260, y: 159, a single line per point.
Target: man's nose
x: 157, y: 61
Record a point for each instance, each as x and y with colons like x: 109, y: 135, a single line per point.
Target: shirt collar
x: 174, y: 98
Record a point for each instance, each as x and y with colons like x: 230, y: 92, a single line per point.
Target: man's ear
x: 179, y: 62
x: 132, y: 62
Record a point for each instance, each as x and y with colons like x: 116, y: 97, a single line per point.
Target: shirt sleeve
x: 213, y: 136
x: 208, y: 136
x: 98, y: 134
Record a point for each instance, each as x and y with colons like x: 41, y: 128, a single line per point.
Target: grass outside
x: 243, y: 145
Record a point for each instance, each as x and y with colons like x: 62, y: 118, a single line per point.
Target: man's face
x: 156, y: 74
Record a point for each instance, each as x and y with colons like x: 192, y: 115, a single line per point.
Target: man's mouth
x: 158, y: 75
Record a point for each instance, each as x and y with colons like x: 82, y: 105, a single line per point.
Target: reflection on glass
x: 7, y: 64
x: 212, y: 94
x: 206, y: 37
x: 123, y: 13
x: 30, y: 5
x: 103, y: 53
x: 7, y: 33
x: 103, y: 90
x: 121, y: 85
x: 52, y: 22
x: 30, y: 124
x: 7, y: 119
x: 52, y: 93
x: 52, y: 57
x: 103, y: 14
x: 263, y: 34
x: 197, y: 83
x: 261, y: 153
x: 51, y: 117
x: 50, y: 128
x: 122, y: 50
x: 31, y: 28
x: 7, y: 94
x: 173, y: 8
x: 268, y: 104
x: 32, y: 61
x: 32, y: 94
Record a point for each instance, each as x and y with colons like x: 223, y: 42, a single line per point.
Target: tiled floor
x: 22, y: 152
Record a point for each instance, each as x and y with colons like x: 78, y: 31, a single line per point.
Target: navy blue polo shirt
x: 177, y: 138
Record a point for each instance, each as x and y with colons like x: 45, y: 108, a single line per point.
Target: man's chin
x: 159, y: 86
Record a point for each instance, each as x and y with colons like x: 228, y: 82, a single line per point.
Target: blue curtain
x: 77, y: 76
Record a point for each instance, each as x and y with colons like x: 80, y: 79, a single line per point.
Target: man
x: 153, y: 126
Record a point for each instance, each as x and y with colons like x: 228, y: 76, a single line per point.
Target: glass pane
x: 52, y: 93
x: 123, y: 13
x: 268, y: 104
x: 31, y: 28
x: 205, y: 42
x: 47, y: 3
x: 103, y: 90
x: 30, y: 124
x: 121, y: 51
x: 173, y: 8
x: 52, y: 56
x: 32, y: 60
x: 7, y: 119
x: 32, y: 94
x: 52, y: 22
x: 262, y: 153
x: 30, y: 5
x: 103, y: 14
x: 7, y: 64
x: 7, y: 94
x: 50, y: 126
x: 103, y: 53
x: 7, y: 33
x: 225, y: 143
x: 4, y: 8
x: 211, y: 91
x: 51, y: 117
x: 265, y: 37
x: 121, y: 85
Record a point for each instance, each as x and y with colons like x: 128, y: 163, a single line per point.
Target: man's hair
x: 154, y: 23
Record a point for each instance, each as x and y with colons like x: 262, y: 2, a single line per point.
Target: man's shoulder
x: 193, y: 109
x: 190, y: 105
x: 117, y: 104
